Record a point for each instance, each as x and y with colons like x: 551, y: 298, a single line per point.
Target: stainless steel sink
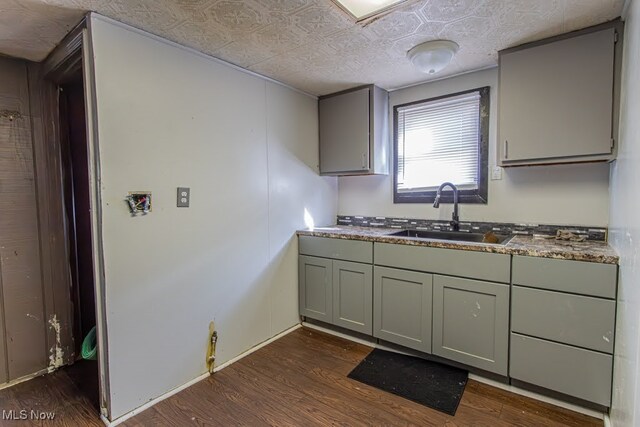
x: 458, y: 236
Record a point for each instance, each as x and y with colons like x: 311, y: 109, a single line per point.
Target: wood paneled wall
x: 34, y: 282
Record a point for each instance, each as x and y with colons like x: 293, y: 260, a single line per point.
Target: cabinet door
x: 316, y: 299
x: 353, y: 296
x: 402, y: 307
x: 471, y: 322
x: 556, y: 99
x: 344, y: 132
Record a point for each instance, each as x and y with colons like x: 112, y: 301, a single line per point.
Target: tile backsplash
x: 592, y: 233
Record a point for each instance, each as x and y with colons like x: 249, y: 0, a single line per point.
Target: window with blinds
x: 440, y: 140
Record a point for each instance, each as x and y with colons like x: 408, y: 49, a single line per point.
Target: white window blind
x: 438, y: 141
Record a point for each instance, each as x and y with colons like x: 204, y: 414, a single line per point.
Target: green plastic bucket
x: 89, y: 347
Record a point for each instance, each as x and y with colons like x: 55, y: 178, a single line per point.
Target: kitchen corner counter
x: 589, y: 251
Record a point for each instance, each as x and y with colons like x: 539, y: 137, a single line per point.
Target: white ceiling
x: 312, y: 44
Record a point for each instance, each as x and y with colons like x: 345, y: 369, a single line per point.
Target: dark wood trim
x: 65, y: 61
x: 476, y: 196
x: 51, y: 214
x: 71, y: 57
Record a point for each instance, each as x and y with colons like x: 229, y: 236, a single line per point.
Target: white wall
x: 248, y: 148
x: 576, y: 195
x: 625, y: 232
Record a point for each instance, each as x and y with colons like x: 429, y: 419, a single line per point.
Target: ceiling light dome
x: 432, y: 56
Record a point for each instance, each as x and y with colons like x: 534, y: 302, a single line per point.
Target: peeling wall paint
x: 56, y: 355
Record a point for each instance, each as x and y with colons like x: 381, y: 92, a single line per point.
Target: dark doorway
x: 76, y: 188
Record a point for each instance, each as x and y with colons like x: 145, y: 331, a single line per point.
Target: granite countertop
x: 590, y: 250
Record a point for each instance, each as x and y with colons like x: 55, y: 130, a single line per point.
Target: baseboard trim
x: 538, y: 396
x: 371, y: 343
x: 256, y: 348
x: 25, y: 378
x: 507, y: 387
x: 176, y: 390
x: 152, y: 402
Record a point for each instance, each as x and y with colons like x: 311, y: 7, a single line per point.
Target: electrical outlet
x: 496, y: 173
x: 184, y: 197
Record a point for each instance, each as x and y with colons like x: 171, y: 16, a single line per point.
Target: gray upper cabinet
x: 556, y: 100
x: 354, y: 132
x: 471, y: 322
x: 402, y: 307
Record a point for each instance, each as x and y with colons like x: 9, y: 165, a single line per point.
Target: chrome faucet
x: 455, y: 220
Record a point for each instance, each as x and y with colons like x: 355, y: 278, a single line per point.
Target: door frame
x: 75, y: 53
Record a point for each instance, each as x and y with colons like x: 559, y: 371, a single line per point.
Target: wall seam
x: 269, y: 255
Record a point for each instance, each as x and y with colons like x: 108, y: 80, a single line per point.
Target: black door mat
x: 429, y: 383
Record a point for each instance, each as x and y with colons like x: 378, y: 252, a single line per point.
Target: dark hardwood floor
x: 298, y: 380
x: 54, y: 393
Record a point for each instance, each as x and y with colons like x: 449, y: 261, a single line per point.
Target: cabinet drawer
x: 573, y: 371
x: 347, y: 250
x: 586, y: 278
x: 476, y: 265
x: 571, y: 319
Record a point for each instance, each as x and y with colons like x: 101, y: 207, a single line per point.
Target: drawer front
x: 573, y: 371
x: 571, y: 319
x: 347, y: 250
x: 476, y: 265
x: 585, y: 278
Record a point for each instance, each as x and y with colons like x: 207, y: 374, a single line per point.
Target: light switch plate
x: 496, y: 173
x: 184, y: 197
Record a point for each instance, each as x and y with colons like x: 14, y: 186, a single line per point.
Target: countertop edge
x: 477, y: 247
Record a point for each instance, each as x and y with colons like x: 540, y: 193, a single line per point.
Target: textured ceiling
x: 312, y: 44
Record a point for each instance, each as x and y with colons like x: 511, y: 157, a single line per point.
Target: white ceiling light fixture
x: 432, y: 56
x: 363, y: 10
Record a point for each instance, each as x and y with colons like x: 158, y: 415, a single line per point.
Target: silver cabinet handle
x: 364, y: 160
x: 506, y: 149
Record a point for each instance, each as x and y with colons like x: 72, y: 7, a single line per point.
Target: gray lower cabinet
x: 577, y: 372
x: 353, y: 296
x: 562, y: 312
x: 402, y: 302
x: 563, y: 326
x: 315, y: 287
x: 336, y: 292
x: 566, y: 318
x: 471, y: 322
